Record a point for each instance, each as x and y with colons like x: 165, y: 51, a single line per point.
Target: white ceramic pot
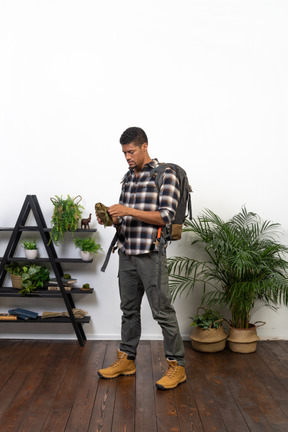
x: 31, y: 253
x: 86, y: 256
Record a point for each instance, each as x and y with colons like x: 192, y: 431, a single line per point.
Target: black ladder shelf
x: 31, y: 204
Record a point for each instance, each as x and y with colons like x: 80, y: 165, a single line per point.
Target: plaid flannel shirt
x: 141, y: 192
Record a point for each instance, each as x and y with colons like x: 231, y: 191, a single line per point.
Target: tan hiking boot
x: 175, y: 375
x: 122, y: 366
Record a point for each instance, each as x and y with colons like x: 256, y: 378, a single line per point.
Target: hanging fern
x: 66, y: 215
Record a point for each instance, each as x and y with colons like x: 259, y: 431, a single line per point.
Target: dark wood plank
x: 272, y: 385
x: 124, y: 408
x: 218, y: 380
x: 188, y: 415
x: 52, y: 386
x: 284, y: 345
x: 206, y: 403
x: 27, y: 352
x: 11, y: 355
x: 79, y: 419
x: 44, y: 397
x: 102, y: 414
x: 247, y: 391
x: 166, y: 412
x: 277, y: 359
x: 62, y: 405
x: 57, y: 420
x: 30, y: 374
x: 145, y: 413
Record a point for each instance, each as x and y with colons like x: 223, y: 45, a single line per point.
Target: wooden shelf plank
x: 39, y: 320
x: 46, y: 259
x: 36, y: 228
x: 13, y: 292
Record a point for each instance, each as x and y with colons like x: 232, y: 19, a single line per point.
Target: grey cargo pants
x: 139, y: 274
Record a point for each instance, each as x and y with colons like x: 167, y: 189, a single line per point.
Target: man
x: 139, y: 214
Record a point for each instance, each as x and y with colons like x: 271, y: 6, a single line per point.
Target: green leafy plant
x: 87, y: 244
x: 30, y: 245
x: 66, y: 215
x: 33, y: 277
x: 86, y: 286
x: 208, y: 319
x: 14, y: 269
x: 243, y: 263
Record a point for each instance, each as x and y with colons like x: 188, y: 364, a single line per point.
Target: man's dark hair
x: 135, y: 135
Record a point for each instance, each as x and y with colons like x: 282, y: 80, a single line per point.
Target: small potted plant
x: 15, y: 270
x: 88, y: 247
x: 208, y: 334
x: 28, y: 277
x: 30, y: 248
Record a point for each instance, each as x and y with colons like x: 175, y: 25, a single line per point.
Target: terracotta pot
x: 243, y: 340
x: 210, y: 340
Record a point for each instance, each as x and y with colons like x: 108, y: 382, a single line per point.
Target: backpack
x: 174, y: 231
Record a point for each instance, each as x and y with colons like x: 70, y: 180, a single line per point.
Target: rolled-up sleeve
x: 169, y: 196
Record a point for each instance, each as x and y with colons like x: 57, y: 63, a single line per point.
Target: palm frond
x: 242, y: 263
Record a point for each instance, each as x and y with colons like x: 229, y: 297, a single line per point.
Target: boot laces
x: 172, y: 370
x: 117, y: 362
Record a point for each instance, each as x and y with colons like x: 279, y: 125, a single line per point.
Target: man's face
x: 135, y: 155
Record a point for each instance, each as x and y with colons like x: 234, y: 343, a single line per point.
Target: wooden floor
x: 53, y: 386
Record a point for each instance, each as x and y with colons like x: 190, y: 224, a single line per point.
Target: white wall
x: 206, y: 79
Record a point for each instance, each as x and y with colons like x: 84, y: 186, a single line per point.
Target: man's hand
x: 100, y: 222
x: 118, y: 210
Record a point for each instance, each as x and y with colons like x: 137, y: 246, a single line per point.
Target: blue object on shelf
x: 23, y: 313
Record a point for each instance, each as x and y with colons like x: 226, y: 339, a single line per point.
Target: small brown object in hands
x: 102, y: 213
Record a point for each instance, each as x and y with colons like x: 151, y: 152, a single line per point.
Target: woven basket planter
x: 16, y: 281
x: 243, y: 340
x: 211, y: 340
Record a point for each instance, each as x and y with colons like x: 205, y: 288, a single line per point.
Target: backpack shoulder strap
x: 181, y: 174
x: 162, y: 166
x: 111, y: 247
x: 157, y: 172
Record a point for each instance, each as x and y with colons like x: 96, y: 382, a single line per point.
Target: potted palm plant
x: 88, y: 247
x: 243, y: 264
